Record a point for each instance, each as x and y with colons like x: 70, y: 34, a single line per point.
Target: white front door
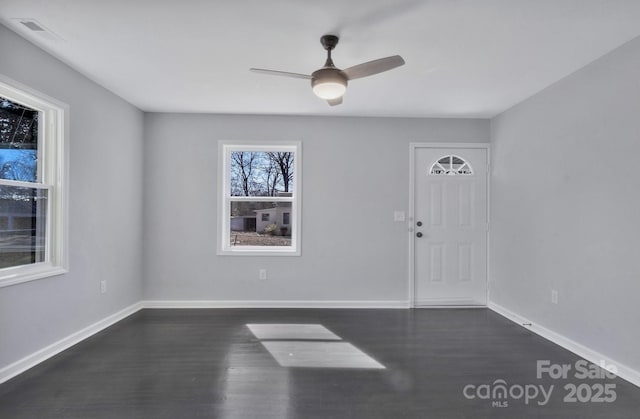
x: 450, y: 226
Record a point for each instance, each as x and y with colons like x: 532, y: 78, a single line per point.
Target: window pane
x: 451, y: 165
x: 259, y: 173
x: 257, y: 224
x: 22, y: 225
x: 18, y: 141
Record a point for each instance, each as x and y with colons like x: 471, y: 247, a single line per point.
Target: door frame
x: 410, y: 220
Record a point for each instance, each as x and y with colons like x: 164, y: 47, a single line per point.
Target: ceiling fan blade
x: 334, y: 102
x: 280, y: 73
x: 373, y: 67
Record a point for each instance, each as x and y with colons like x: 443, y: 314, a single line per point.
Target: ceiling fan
x: 330, y: 82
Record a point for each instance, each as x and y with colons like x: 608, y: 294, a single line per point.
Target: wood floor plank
x: 207, y: 364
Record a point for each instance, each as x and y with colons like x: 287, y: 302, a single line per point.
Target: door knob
x: 419, y: 234
x: 419, y: 223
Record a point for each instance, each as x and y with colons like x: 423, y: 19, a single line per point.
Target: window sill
x: 258, y: 252
x: 20, y: 274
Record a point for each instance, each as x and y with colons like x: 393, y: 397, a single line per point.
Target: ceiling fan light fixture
x: 329, y: 90
x: 329, y: 83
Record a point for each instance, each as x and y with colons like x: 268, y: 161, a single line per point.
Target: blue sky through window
x: 18, y: 164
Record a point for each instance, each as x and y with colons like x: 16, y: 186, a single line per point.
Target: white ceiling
x: 464, y: 58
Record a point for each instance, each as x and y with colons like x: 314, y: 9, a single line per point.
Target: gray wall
x: 105, y: 215
x: 355, y: 174
x: 565, y: 206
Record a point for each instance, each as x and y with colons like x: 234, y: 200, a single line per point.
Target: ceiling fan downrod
x: 329, y: 42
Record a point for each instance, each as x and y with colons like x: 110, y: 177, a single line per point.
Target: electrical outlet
x: 262, y: 274
x: 554, y: 296
x: 103, y: 286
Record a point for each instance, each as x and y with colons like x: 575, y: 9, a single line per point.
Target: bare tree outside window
x: 256, y: 173
x: 242, y: 173
x: 284, y: 162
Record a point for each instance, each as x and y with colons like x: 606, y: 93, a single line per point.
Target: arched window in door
x: 451, y: 165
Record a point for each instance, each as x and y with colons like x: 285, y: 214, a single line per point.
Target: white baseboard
x: 43, y: 354
x: 272, y: 304
x: 623, y: 371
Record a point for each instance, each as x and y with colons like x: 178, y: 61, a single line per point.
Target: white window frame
x: 225, y: 148
x: 53, y: 134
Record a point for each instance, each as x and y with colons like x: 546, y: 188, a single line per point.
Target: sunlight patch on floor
x: 320, y: 355
x: 310, y: 346
x: 292, y: 331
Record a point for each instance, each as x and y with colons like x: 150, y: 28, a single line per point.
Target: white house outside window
x: 259, y: 198
x: 32, y: 185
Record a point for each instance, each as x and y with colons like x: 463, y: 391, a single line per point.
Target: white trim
x: 445, y: 306
x: 488, y: 225
x: 410, y: 219
x: 415, y: 145
x: 624, y: 372
x: 274, y: 304
x: 55, y: 348
x: 20, y: 184
x: 19, y: 274
x: 442, y: 302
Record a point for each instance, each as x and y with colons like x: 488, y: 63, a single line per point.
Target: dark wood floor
x: 207, y: 364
